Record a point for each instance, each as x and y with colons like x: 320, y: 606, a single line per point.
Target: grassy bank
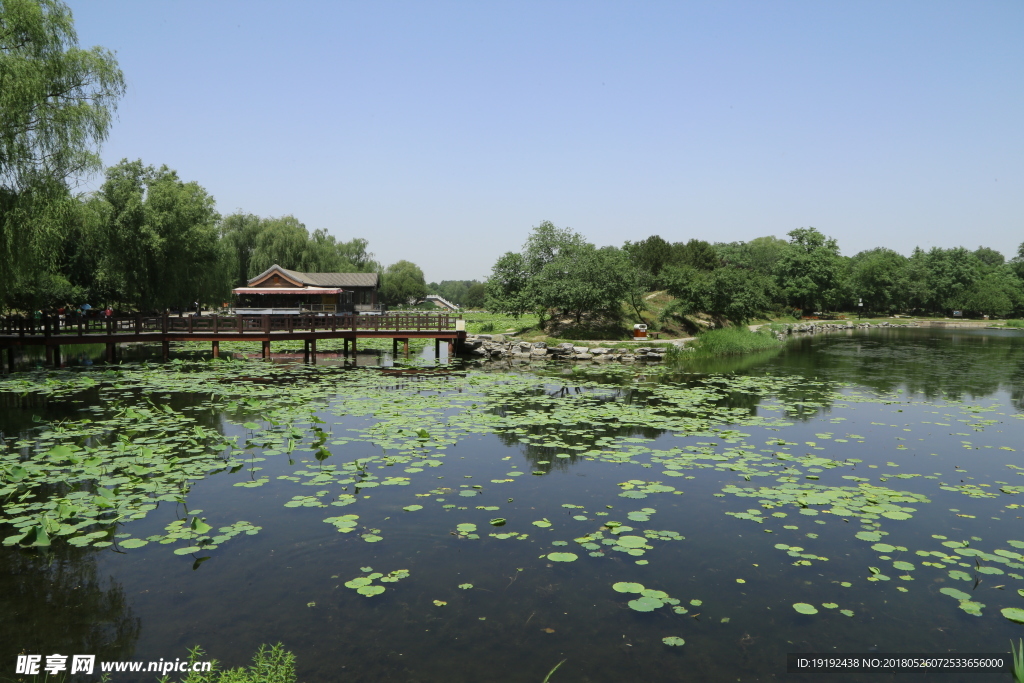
x: 728, y: 341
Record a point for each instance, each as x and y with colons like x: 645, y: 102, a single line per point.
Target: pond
x: 855, y: 492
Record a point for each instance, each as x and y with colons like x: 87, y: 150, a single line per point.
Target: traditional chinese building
x: 277, y: 290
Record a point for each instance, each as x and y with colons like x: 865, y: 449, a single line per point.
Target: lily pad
x: 627, y: 587
x: 563, y: 557
x: 804, y: 608
x: 675, y: 641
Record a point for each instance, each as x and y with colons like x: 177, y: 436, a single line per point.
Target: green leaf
x: 563, y: 557
x: 1013, y: 614
x: 804, y: 608
x: 627, y: 587
x: 674, y: 641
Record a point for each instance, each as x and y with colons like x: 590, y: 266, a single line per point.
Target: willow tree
x: 57, y: 102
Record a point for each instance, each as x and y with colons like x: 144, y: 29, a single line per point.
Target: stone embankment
x: 498, y: 346
x: 820, y: 328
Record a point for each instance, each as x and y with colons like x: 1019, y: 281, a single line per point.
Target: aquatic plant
x: 269, y: 665
x: 728, y: 341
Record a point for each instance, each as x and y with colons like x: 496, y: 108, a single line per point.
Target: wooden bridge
x: 53, y: 332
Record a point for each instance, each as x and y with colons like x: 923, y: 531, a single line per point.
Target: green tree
x: 649, y: 256
x: 759, y: 254
x: 282, y: 241
x: 879, y: 278
x: 56, y: 105
x: 238, y: 233
x: 696, y: 254
x: 401, y: 283
x: 476, y: 296
x: 989, y: 257
x: 730, y: 293
x: 809, y: 271
x: 508, y: 288
x: 159, y: 239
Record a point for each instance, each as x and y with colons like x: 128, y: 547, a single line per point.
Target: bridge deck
x: 50, y: 331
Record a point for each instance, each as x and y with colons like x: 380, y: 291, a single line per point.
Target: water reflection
x: 53, y: 601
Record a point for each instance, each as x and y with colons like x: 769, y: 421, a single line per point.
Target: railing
x: 217, y: 324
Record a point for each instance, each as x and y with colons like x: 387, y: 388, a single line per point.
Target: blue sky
x: 443, y: 131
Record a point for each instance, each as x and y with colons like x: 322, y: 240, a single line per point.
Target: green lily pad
x: 675, y: 641
x: 563, y: 557
x: 804, y: 608
x: 627, y: 587
x: 370, y: 591
x: 1013, y: 614
x: 645, y: 604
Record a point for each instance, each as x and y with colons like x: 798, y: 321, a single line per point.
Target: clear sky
x: 443, y: 131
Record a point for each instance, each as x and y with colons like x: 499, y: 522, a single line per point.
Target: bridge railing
x: 226, y: 324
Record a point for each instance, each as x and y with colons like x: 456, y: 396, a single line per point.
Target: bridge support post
x: 216, y: 348
x: 110, y: 352
x: 58, y: 359
x: 266, y: 348
x: 312, y: 351
x: 345, y: 340
x: 305, y: 350
x: 49, y: 355
x: 451, y: 350
x: 394, y: 348
x: 355, y: 350
x: 437, y: 349
x: 405, y: 345
x: 165, y: 350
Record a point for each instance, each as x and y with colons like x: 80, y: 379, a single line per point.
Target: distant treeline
x: 149, y: 241
x: 559, y: 273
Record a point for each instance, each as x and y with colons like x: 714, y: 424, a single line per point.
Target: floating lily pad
x: 804, y: 608
x: 627, y: 587
x: 563, y: 557
x: 674, y: 641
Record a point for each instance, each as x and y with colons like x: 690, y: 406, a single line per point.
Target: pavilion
x: 278, y: 290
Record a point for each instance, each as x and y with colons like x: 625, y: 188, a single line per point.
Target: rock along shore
x: 499, y: 346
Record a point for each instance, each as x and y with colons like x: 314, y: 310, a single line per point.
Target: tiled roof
x: 322, y: 279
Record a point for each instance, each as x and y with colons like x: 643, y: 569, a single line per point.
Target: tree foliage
x: 809, y: 270
x: 402, y: 283
x: 56, y: 105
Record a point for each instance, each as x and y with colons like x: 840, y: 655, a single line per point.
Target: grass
x: 269, y: 665
x: 729, y: 341
x: 1018, y: 662
x: 1015, y: 323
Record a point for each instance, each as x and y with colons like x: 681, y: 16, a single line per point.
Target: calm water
x: 933, y: 417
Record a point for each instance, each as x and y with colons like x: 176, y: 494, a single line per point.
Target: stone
x: 579, y: 349
x: 539, y: 351
x: 583, y: 356
x: 540, y: 345
x: 600, y: 351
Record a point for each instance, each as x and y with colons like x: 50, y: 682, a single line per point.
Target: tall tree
x: 56, y: 105
x: 879, y: 278
x: 238, y: 232
x: 809, y: 270
x: 401, y: 283
x: 160, y: 243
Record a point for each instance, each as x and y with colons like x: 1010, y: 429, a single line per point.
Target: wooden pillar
x: 49, y: 354
x: 394, y: 348
x: 305, y: 350
x: 312, y: 350
x: 216, y: 348
x: 354, y: 349
x: 437, y: 349
x: 405, y: 343
x: 58, y: 361
x: 346, y: 346
x: 266, y: 349
x: 165, y: 349
x: 451, y: 350
x: 110, y: 352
